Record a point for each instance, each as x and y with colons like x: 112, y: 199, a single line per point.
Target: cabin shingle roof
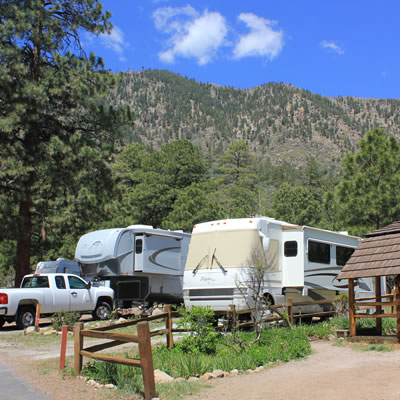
x: 377, y: 255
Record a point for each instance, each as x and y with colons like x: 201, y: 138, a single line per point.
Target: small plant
x: 64, y: 318
x: 199, y: 323
x: 341, y: 303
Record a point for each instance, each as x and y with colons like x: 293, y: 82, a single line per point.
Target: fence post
x: 63, y: 347
x: 168, y: 326
x: 397, y: 306
x: 378, y: 309
x: 234, y: 317
x: 352, y: 321
x: 37, y: 317
x: 290, y: 310
x: 146, y: 360
x: 78, y: 345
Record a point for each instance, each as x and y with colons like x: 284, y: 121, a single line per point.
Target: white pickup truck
x: 54, y: 293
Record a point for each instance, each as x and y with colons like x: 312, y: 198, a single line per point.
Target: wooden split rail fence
x: 142, y: 338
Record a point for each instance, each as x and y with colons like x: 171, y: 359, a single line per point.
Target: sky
x: 329, y: 47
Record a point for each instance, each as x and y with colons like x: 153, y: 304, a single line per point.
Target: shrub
x: 64, y: 318
x: 199, y: 322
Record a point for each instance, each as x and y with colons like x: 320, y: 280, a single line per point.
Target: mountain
x: 278, y: 121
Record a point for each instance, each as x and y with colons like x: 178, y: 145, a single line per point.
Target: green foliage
x: 64, y: 318
x: 370, y: 187
x: 203, y: 337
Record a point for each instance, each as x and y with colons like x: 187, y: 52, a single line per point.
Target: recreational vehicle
x: 140, y: 263
x: 299, y: 261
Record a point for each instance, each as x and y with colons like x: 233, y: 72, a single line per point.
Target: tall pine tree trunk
x: 24, y: 240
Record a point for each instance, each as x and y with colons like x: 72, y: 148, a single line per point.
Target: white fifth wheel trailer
x: 302, y: 262
x: 140, y: 263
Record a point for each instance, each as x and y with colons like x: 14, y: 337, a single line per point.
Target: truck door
x: 61, y: 295
x: 80, y: 296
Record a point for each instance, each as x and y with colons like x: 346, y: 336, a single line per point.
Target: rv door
x: 139, y: 247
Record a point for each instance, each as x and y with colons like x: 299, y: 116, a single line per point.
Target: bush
x: 199, y: 322
x: 64, y: 318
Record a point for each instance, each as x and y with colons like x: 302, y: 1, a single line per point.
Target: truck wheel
x: 25, y: 317
x: 2, y: 320
x: 102, y: 311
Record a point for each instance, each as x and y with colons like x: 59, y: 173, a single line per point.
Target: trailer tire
x: 25, y: 317
x: 102, y: 311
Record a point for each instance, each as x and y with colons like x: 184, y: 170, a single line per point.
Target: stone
x: 121, y: 320
x: 110, y: 386
x: 251, y: 371
x: 260, y: 368
x: 218, y: 373
x: 207, y: 376
x: 234, y: 372
x: 29, y: 330
x: 157, y: 311
x: 180, y: 379
x: 193, y: 379
x: 162, y: 377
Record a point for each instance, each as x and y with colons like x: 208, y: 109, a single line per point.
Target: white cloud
x: 191, y: 35
x: 262, y: 40
x: 332, y: 46
x: 115, y: 42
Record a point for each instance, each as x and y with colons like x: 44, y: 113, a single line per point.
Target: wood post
x: 78, y: 346
x: 290, y: 310
x: 397, y: 306
x: 146, y: 360
x: 168, y: 326
x: 63, y: 347
x: 378, y: 294
x: 234, y: 317
x: 352, y: 321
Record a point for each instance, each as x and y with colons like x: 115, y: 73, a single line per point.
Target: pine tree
x: 55, y: 134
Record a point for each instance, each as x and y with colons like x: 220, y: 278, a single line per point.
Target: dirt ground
x: 331, y: 372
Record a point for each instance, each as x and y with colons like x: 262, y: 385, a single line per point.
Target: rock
x: 48, y: 332
x: 207, y: 376
x: 162, y: 377
x: 157, y: 311
x: 109, y: 386
x: 193, y: 379
x: 260, y: 368
x: 177, y: 380
x: 218, y: 373
x: 91, y: 382
x: 29, y: 330
x: 234, y: 372
x: 121, y: 320
x: 251, y: 371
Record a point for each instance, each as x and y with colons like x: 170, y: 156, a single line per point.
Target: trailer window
x: 343, y: 254
x: 138, y: 246
x: 290, y: 248
x: 319, y: 252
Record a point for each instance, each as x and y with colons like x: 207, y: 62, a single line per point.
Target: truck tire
x: 25, y: 317
x: 2, y: 321
x: 102, y: 311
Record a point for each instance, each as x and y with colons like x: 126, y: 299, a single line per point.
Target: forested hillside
x: 73, y: 158
x: 277, y: 121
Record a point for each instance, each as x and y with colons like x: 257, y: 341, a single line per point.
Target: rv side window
x: 290, y: 248
x: 319, y: 252
x: 139, y: 246
x: 343, y: 254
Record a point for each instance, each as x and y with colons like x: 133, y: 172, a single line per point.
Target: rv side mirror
x: 265, y: 241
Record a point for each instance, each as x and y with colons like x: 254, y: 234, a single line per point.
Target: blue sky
x: 330, y: 47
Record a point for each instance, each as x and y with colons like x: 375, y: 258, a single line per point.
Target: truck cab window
x: 76, y: 283
x: 290, y: 248
x: 60, y: 282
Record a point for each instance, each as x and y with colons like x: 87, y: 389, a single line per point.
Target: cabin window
x: 319, y: 252
x: 139, y: 246
x: 343, y: 254
x: 290, y: 248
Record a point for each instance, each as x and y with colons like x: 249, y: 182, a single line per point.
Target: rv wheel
x: 102, y: 311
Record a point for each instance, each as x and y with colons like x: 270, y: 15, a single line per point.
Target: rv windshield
x: 229, y: 248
